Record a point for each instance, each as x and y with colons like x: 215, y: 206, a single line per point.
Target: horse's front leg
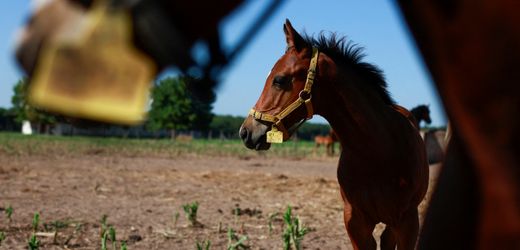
x: 408, y: 230
x: 359, y: 229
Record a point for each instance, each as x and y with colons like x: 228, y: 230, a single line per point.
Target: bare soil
x: 141, y: 196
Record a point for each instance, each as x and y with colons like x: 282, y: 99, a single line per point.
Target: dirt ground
x: 141, y: 196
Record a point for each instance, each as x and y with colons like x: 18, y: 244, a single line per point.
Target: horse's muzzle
x: 253, y: 134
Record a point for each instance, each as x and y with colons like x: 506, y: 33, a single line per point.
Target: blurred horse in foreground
x: 164, y: 30
x: 471, y: 49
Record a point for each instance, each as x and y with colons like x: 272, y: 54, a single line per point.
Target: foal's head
x: 283, y: 102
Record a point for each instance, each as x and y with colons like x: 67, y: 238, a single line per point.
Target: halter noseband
x: 278, y: 131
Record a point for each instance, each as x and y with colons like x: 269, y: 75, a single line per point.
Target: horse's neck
x: 416, y: 114
x: 357, y: 115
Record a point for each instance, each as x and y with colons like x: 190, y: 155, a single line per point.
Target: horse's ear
x: 292, y: 37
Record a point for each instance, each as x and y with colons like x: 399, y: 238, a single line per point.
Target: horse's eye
x: 282, y: 81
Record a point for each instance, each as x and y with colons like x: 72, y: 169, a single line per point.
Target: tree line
x: 173, y: 110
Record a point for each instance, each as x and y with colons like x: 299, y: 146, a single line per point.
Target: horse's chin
x: 262, y: 145
x: 258, y: 144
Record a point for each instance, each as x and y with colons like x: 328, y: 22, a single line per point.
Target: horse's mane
x: 346, y: 52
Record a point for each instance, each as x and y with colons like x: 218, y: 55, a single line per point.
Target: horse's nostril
x: 243, y: 133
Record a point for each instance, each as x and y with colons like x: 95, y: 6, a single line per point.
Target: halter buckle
x: 305, y: 95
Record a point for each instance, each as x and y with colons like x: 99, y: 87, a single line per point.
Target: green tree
x: 7, y: 120
x: 174, y: 108
x: 19, y: 100
x: 23, y: 110
x: 226, y: 125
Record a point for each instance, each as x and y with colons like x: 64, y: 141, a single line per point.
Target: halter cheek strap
x: 304, y: 98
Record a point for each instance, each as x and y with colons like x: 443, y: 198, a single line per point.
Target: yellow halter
x: 304, y: 97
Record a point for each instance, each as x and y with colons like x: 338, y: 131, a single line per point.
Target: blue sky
x: 12, y: 14
x: 375, y: 25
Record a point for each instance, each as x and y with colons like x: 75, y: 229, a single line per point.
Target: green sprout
x: 191, y: 212
x: 103, y: 225
x: 2, y: 237
x: 112, y: 236
x: 234, y: 242
x: 123, y: 245
x: 109, y: 235
x: 33, y: 243
x: 294, y: 231
x: 35, y: 221
x: 104, y: 241
x: 204, y: 245
x: 270, y: 222
x: 9, y: 212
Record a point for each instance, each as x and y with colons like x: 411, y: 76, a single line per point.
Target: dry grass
x: 14, y: 144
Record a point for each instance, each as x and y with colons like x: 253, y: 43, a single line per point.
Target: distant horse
x: 327, y: 141
x: 184, y: 138
x: 421, y: 113
x: 382, y: 171
x: 434, y: 139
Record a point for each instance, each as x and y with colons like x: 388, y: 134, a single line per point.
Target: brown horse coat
x: 382, y: 172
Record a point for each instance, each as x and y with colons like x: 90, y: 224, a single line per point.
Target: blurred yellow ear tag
x: 274, y: 136
x: 96, y: 74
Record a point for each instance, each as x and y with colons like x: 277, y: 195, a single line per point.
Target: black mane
x: 346, y: 52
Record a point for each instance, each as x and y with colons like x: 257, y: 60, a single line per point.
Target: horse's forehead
x: 287, y: 61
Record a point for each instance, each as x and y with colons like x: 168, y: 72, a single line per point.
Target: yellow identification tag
x: 274, y: 136
x: 95, y: 73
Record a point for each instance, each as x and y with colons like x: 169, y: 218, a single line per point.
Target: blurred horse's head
x: 160, y: 27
